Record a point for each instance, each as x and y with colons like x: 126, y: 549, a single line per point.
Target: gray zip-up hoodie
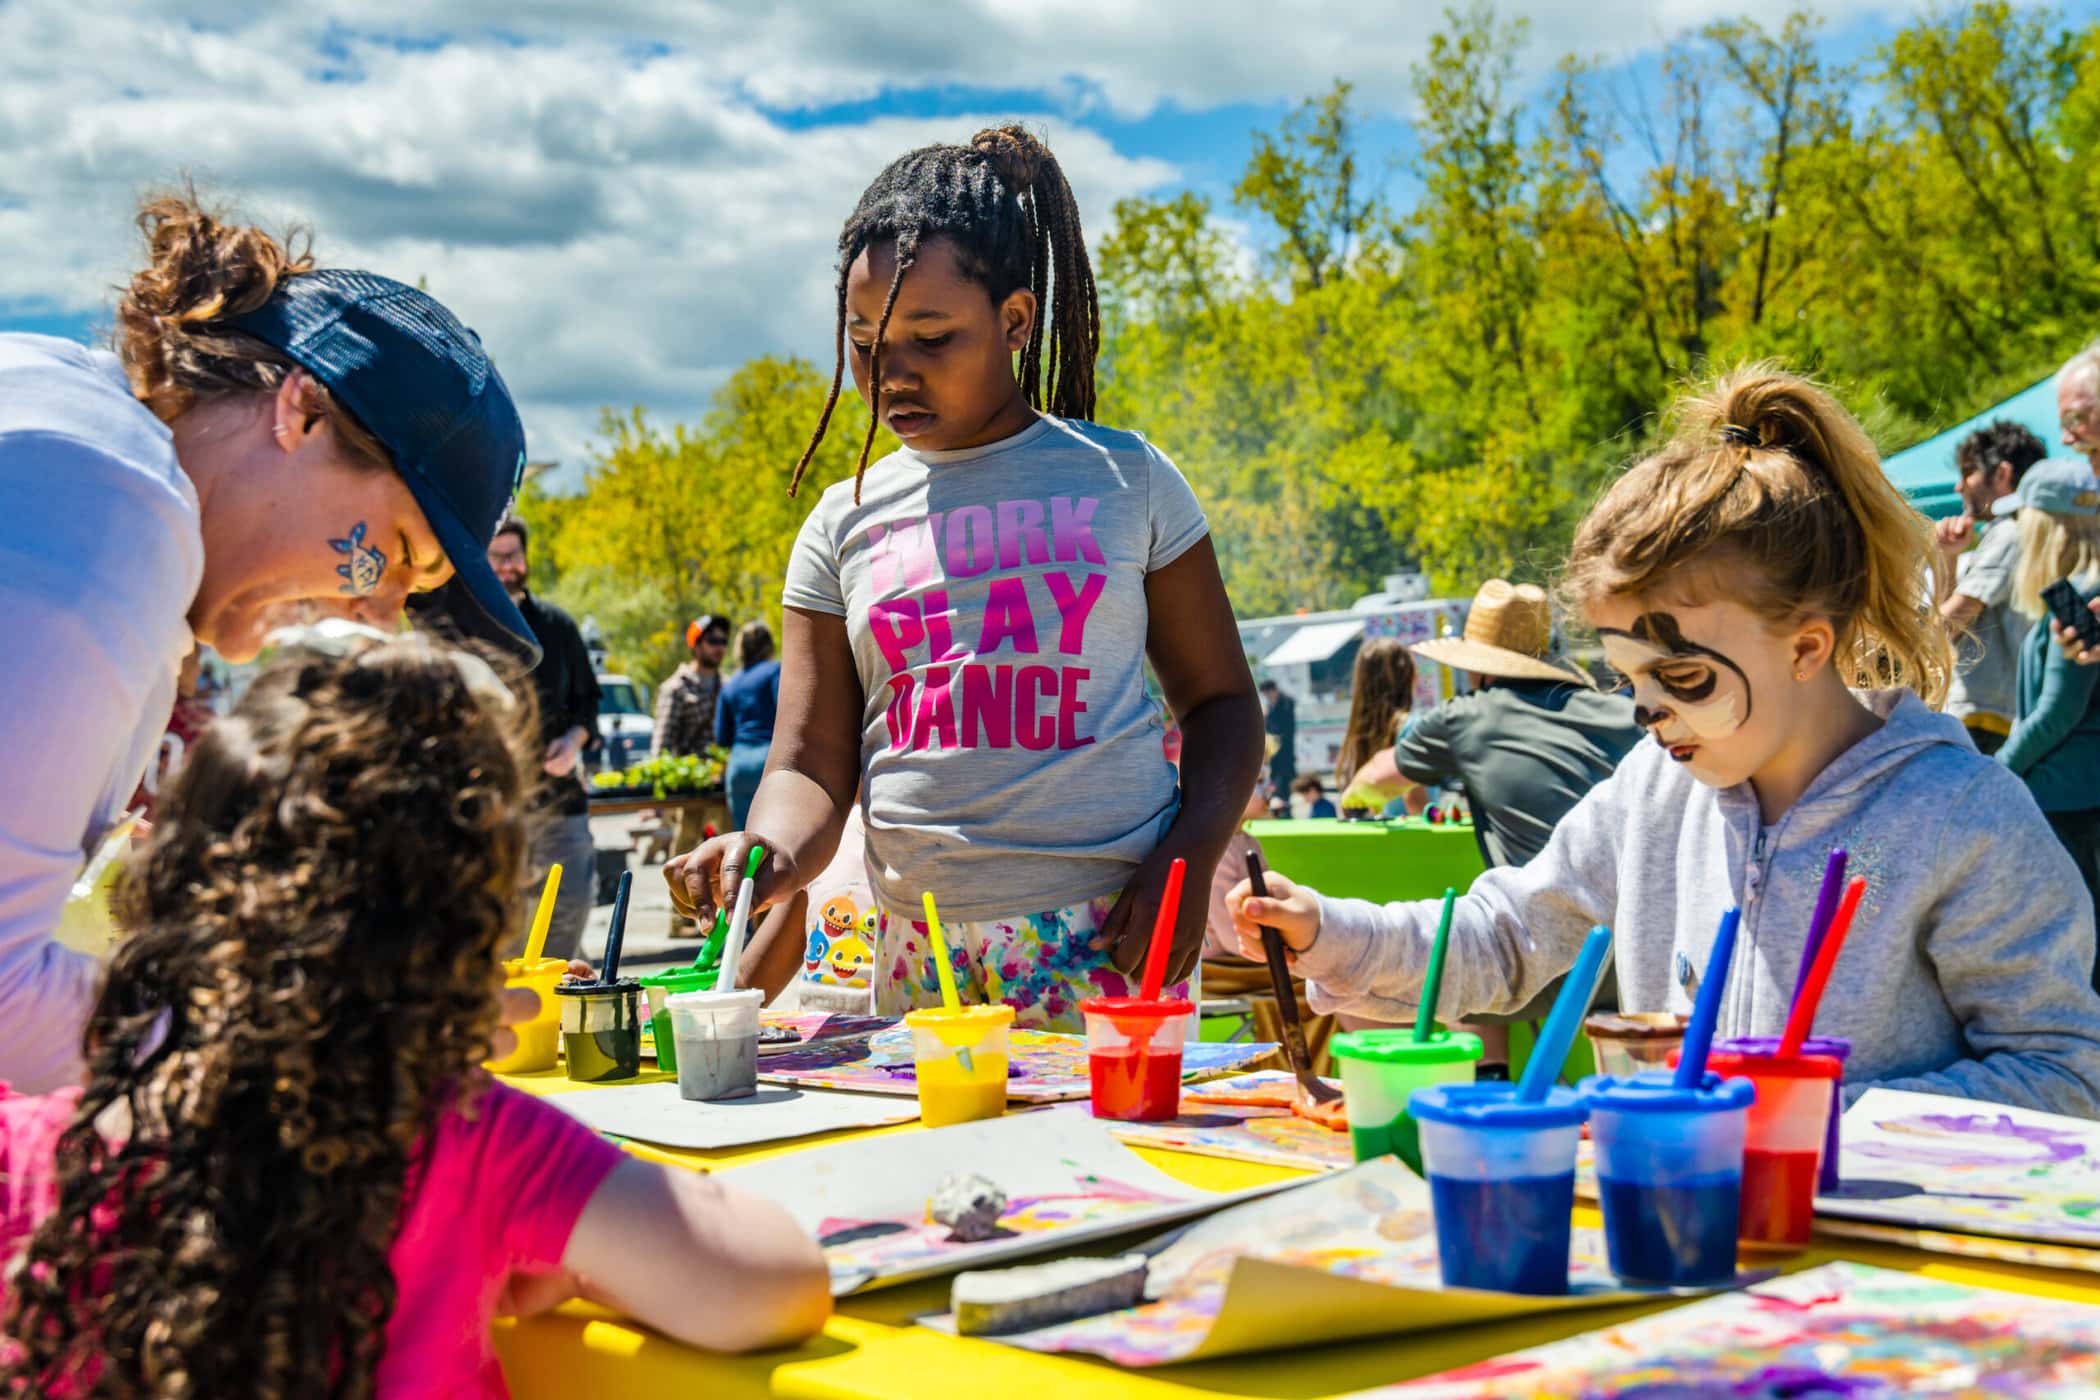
x: 1966, y: 972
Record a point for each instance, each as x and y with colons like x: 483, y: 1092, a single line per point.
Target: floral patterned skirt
x: 1042, y: 965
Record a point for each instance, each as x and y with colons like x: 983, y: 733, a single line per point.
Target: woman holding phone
x: 2055, y: 741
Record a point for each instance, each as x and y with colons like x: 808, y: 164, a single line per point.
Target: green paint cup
x: 1380, y: 1069
x: 660, y: 987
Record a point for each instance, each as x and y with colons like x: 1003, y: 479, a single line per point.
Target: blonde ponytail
x: 1768, y: 469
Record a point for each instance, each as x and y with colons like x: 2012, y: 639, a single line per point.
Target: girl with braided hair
x: 284, y: 1175
x: 969, y: 620
x: 1766, y: 593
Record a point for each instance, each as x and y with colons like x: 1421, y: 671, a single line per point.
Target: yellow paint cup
x: 540, y: 1037
x: 959, y: 1059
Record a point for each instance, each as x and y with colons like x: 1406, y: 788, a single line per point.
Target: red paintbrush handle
x: 1163, y: 932
x: 1803, y: 1015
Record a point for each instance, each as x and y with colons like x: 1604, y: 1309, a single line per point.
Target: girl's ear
x: 1017, y: 318
x: 1815, y: 641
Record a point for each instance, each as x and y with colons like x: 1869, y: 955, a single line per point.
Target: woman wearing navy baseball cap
x: 269, y: 441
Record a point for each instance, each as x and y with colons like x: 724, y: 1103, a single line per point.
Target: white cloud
x: 601, y: 191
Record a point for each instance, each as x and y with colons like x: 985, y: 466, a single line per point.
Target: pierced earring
x: 279, y: 429
x: 1800, y: 675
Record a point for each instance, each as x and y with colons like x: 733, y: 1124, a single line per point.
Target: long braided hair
x: 1004, y: 203
x: 309, y: 977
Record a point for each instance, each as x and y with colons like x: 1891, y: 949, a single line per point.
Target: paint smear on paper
x: 1840, y: 1332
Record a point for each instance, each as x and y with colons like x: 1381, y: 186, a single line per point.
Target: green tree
x: 675, y: 521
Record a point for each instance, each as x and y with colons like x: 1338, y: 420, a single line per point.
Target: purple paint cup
x: 1837, y: 1047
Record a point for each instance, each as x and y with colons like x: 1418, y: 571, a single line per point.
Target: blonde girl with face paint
x: 1765, y: 590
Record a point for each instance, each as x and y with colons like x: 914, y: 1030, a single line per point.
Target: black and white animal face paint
x: 1683, y: 691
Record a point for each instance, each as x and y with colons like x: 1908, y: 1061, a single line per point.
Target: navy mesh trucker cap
x: 418, y: 381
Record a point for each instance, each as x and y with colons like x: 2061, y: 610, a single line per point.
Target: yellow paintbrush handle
x: 543, y: 916
x: 940, y: 956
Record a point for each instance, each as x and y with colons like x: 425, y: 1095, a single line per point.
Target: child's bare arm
x: 812, y: 774
x: 705, y: 1263
x: 1194, y: 646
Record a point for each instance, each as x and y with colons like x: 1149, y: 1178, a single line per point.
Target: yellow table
x: 872, y: 1348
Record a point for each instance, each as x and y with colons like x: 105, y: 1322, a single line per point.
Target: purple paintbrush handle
x: 1826, y: 910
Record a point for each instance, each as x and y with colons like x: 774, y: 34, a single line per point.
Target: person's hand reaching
x: 1291, y: 909
x: 706, y: 877
x: 1954, y: 534
x: 1127, y: 934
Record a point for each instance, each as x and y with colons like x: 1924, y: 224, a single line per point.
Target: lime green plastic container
x: 660, y: 987
x: 1381, y: 1069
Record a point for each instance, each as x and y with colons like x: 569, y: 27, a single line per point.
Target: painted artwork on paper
x: 811, y: 1030
x: 1042, y: 1066
x: 1065, y: 1178
x: 1840, y: 1332
x: 1926, y: 1162
x: 1248, y: 1118
x: 1347, y: 1255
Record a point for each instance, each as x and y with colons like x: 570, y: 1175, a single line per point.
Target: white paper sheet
x: 655, y: 1113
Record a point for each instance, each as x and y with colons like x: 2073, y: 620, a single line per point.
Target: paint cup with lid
x: 959, y: 1060
x: 717, y: 1038
x: 1133, y: 1052
x: 601, y: 1029
x: 659, y: 988
x: 1628, y: 1042
x: 539, y: 1038
x: 1669, y: 1174
x: 1381, y: 1068
x: 1783, y: 1144
x: 1835, y: 1046
x: 1502, y: 1180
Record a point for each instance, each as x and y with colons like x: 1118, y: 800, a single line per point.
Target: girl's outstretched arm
x: 812, y: 775
x: 1194, y: 646
x: 705, y: 1263
x: 1514, y: 931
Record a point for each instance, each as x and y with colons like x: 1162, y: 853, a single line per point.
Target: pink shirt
x: 494, y: 1196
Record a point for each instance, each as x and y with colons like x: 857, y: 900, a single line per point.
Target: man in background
x: 685, y: 715
x: 1527, y: 744
x: 1977, y: 608
x: 568, y: 694
x: 1281, y: 723
x: 2078, y: 403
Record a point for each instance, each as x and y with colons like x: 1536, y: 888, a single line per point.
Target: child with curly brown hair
x: 284, y: 1174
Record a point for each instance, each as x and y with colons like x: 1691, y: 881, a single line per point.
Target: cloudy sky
x: 628, y: 198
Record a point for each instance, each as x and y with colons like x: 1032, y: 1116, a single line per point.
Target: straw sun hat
x: 1509, y: 633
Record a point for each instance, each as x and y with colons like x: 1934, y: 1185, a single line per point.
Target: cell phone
x: 2069, y: 611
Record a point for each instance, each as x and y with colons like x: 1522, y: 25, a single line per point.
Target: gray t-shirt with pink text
x: 1011, y: 760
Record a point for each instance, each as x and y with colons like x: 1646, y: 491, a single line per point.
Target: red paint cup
x: 1133, y: 1049
x: 1783, y: 1145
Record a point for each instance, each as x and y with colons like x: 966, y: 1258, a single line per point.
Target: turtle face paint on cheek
x: 1678, y: 680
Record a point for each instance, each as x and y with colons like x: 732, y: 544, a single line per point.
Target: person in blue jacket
x: 744, y: 717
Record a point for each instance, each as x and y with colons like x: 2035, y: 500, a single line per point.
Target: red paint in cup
x: 1783, y: 1146
x: 1134, y: 1057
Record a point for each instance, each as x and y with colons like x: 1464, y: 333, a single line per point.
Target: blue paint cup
x: 1669, y: 1174
x: 1502, y: 1180
x: 1837, y: 1047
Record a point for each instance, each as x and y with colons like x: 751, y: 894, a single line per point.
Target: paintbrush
x: 1294, y: 1051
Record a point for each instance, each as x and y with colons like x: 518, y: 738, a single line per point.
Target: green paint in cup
x: 660, y: 987
x: 1381, y: 1069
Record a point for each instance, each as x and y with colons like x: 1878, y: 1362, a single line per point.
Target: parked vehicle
x: 626, y: 727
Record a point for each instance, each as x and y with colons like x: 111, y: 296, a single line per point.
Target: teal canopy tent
x: 1925, y: 471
